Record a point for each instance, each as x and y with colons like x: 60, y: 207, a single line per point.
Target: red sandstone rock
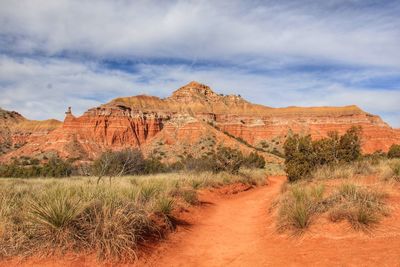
x: 181, y: 124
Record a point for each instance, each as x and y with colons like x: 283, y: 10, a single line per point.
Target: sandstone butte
x: 192, y: 121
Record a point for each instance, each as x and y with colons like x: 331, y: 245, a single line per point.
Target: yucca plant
x: 113, y: 230
x: 52, y: 218
x: 147, y: 192
x: 165, y: 205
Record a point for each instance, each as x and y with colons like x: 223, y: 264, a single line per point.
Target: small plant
x: 147, y: 192
x: 165, y: 205
x: 196, y: 184
x: 297, y: 209
x: 190, y: 197
x: 361, y: 207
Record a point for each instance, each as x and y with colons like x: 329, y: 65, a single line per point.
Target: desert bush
x: 119, y: 163
x: 303, y: 156
x: 362, y: 207
x: 153, y: 165
x: 114, y: 229
x: 394, y: 151
x: 395, y: 167
x: 23, y: 168
x: 254, y: 160
x: 350, y: 145
x: 204, y: 163
x: 326, y: 149
x: 56, y: 167
x: 299, y: 157
x: 227, y: 159
x: 298, y: 207
x: 52, y: 218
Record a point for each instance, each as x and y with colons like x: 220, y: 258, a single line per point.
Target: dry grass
x: 299, y: 205
x: 49, y: 216
x: 340, y: 193
x: 386, y: 169
x: 360, y: 205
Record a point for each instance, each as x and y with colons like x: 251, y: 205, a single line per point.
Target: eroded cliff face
x: 193, y: 120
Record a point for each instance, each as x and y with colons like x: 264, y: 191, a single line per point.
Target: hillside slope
x: 16, y: 130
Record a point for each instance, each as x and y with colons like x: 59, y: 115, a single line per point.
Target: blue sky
x: 55, y: 54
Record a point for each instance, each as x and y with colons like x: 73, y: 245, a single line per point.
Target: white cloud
x: 336, y: 31
x: 52, y: 52
x: 41, y: 89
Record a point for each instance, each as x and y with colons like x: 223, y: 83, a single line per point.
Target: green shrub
x: 165, y: 205
x: 56, y: 167
x: 302, y: 155
x: 350, y: 145
x: 153, y: 165
x: 227, y: 159
x: 254, y: 160
x: 360, y: 206
x: 325, y: 150
x: 394, y: 151
x: 23, y: 168
x: 299, y: 157
x: 300, y: 204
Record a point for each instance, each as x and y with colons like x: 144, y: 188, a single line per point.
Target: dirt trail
x: 240, y: 231
x: 230, y: 234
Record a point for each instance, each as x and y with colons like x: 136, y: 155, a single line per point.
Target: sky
x: 55, y: 54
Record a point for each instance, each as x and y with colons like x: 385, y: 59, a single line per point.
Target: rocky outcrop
x: 193, y: 120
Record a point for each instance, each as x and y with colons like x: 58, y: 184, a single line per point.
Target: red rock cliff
x: 193, y: 116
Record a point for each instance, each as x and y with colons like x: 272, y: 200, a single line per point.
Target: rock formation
x: 16, y: 131
x: 193, y: 120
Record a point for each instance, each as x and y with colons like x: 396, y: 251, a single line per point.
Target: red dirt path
x: 240, y: 231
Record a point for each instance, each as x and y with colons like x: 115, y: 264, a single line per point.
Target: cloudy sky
x: 55, y: 54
